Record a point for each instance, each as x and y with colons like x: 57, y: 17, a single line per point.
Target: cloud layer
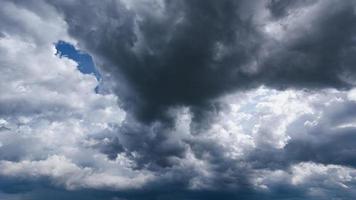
x: 198, y: 100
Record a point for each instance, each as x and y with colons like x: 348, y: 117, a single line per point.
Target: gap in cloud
x: 84, y: 60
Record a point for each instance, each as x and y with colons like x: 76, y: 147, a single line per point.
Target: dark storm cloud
x: 187, y: 56
x: 189, y: 52
x: 158, y: 146
x: 318, y: 56
x: 280, y: 8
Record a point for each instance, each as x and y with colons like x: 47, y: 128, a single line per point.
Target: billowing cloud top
x: 199, y: 99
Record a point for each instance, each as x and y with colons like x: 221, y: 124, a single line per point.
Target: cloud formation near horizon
x: 196, y: 100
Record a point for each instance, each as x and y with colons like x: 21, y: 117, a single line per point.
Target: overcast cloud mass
x: 185, y: 99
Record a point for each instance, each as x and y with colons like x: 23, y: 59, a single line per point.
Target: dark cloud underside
x: 194, y: 51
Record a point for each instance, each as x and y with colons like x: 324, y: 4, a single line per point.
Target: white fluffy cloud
x: 318, y: 180
x: 49, y: 111
x: 267, y: 120
x: 64, y: 172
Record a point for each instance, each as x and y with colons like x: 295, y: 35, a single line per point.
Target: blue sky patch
x: 84, y: 60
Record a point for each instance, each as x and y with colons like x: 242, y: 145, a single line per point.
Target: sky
x: 193, y: 100
x: 84, y: 60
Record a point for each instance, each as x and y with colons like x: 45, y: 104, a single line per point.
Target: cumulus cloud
x: 63, y: 172
x: 49, y: 112
x: 317, y: 181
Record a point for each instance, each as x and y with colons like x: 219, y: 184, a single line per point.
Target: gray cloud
x: 196, y: 56
x: 205, y: 49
